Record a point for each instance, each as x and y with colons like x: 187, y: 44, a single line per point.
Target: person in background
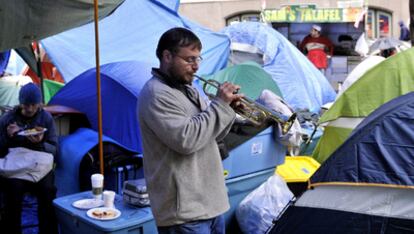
x: 182, y: 163
x: 29, y: 114
x: 317, y: 48
x: 404, y: 31
x: 388, y: 52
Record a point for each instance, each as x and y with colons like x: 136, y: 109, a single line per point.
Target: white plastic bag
x: 258, y: 209
x: 293, y: 138
x: 26, y: 164
x: 361, y: 46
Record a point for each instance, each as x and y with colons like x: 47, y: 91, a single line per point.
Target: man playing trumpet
x: 182, y: 163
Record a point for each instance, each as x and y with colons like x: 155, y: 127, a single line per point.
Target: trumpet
x: 251, y: 110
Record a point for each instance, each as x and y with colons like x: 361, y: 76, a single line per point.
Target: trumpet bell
x: 258, y: 115
x: 253, y: 111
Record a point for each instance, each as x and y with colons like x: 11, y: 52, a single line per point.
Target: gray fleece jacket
x: 182, y: 163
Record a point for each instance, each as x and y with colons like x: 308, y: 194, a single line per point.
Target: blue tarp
x: 4, y: 60
x: 302, y: 85
x: 121, y: 84
x: 379, y: 151
x: 16, y: 64
x: 172, y: 4
x: 130, y: 33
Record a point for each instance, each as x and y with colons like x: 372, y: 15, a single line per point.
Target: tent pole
x: 98, y: 87
x: 411, y: 7
x: 39, y: 69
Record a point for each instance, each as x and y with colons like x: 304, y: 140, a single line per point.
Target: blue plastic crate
x: 73, y: 220
x: 259, y: 153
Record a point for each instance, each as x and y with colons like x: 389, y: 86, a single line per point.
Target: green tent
x: 389, y: 79
x: 251, y: 77
x: 9, y: 90
x: 50, y: 88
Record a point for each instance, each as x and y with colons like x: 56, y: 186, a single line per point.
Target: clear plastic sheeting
x: 258, y: 209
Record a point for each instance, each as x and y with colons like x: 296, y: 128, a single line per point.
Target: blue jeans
x: 214, y: 226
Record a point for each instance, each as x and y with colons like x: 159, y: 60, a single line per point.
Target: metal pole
x: 98, y: 87
x: 412, y: 22
x: 39, y: 70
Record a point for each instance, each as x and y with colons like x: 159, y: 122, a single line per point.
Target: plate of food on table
x: 103, y: 213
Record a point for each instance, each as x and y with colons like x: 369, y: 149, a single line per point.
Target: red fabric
x: 48, y: 72
x: 318, y: 56
x: 320, y: 39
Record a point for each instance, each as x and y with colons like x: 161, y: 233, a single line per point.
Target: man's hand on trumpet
x: 228, y: 92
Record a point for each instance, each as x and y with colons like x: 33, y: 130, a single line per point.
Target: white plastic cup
x: 109, y: 198
x: 97, y: 185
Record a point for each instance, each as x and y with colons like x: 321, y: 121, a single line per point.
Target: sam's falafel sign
x: 309, y: 13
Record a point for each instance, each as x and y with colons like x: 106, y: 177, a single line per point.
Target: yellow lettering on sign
x: 319, y: 16
x: 302, y: 14
x: 308, y: 15
x: 292, y: 15
x: 314, y: 15
x: 270, y: 15
x: 281, y: 16
x: 326, y: 14
x: 337, y: 16
x: 331, y: 15
x: 266, y: 16
x: 275, y: 15
x: 289, y: 14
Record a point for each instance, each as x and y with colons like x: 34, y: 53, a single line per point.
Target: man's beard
x: 177, y: 77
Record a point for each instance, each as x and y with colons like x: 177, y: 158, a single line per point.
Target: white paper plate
x: 87, y: 204
x: 29, y: 132
x: 103, y: 213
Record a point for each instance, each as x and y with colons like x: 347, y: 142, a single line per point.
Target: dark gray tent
x: 22, y: 22
x: 367, y: 185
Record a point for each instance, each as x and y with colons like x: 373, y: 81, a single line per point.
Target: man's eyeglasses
x: 191, y: 60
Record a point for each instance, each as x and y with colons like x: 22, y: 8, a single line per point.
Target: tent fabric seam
x: 356, y: 212
x: 360, y: 184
